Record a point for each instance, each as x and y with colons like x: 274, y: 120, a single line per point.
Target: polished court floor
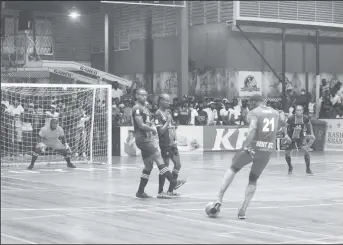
x: 96, y: 204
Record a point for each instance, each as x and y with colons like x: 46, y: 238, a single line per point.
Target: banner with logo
x: 334, y: 135
x: 189, y: 139
x: 249, y: 83
x: 223, y: 138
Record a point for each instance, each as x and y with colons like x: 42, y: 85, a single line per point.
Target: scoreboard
x: 151, y: 3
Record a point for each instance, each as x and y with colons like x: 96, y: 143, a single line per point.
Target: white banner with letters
x: 334, y: 134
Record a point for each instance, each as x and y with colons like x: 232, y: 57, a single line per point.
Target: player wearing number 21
x: 49, y: 137
x: 264, y: 123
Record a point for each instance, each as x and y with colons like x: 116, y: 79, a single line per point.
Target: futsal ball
x: 208, y: 210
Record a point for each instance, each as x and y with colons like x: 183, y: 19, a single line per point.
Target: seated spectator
x: 244, y: 113
x: 326, y: 109
x: 201, y: 118
x: 236, y: 112
x: 340, y: 112
x: 212, y: 113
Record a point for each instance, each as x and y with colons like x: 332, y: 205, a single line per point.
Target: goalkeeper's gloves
x: 42, y: 146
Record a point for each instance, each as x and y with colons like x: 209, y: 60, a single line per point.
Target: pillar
x: 183, y: 38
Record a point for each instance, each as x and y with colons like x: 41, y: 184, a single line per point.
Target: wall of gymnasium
x: 211, y: 43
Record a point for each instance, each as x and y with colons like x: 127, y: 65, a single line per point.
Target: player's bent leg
x: 65, y: 153
x: 241, y: 159
x: 166, y: 172
x: 175, y: 157
x: 307, y: 159
x: 162, y: 178
x: 39, y: 149
x: 260, y: 162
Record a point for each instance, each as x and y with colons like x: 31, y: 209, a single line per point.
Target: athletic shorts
x: 259, y: 161
x: 298, y: 143
x: 147, y: 147
x: 169, y: 151
x: 55, y: 145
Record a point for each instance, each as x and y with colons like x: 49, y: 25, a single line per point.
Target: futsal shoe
x: 172, y: 194
x: 163, y: 195
x: 179, y: 183
x: 241, y: 214
x: 71, y: 165
x: 30, y: 167
x: 142, y: 195
x: 216, y: 207
x: 309, y: 172
x: 290, y: 170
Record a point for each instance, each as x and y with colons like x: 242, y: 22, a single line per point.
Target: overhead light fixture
x: 74, y: 15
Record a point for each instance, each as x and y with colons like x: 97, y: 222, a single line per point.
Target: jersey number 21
x: 269, y: 125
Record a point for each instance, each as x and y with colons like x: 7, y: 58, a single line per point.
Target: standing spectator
x: 81, y: 135
x: 302, y: 99
x: 116, y: 91
x: 27, y: 131
x: 16, y: 110
x: 236, y: 111
x: 194, y: 113
x: 175, y: 109
x: 244, y: 113
x: 212, y: 113
x: 326, y: 109
x: 185, y: 113
x: 52, y: 113
x: 202, y: 117
x: 312, y: 108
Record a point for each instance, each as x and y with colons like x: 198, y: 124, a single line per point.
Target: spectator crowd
x: 214, y: 111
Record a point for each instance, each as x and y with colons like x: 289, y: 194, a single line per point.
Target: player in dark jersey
x: 167, y: 140
x: 257, y: 148
x: 295, y: 136
x: 145, y: 141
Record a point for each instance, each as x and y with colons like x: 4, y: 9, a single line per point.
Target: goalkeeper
x: 49, y: 137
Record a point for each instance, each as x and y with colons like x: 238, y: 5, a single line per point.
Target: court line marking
x: 225, y: 225
x: 319, y: 239
x: 258, y: 224
x: 18, y: 239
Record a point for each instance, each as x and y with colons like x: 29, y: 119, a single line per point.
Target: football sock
x: 34, y: 158
x: 144, y: 180
x: 175, y: 174
x: 161, y: 181
x: 307, y: 160
x: 165, y: 172
x: 289, y: 161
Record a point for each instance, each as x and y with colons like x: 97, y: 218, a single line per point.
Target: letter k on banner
x: 223, y: 138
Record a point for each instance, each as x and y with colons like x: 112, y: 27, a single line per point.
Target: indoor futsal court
x: 97, y: 204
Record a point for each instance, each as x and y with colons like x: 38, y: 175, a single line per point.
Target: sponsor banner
x: 334, y: 135
x: 223, y: 138
x: 189, y: 140
x: 250, y: 82
x: 128, y: 143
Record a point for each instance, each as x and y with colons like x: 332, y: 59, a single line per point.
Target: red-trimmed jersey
x: 267, y: 121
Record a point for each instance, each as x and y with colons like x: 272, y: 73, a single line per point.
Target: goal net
x: 83, y: 111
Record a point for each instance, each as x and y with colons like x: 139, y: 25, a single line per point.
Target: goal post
x: 83, y: 111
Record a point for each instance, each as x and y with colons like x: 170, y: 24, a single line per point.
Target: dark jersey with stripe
x: 139, y: 110
x: 184, y: 116
x: 168, y: 137
x: 296, y: 126
x: 267, y: 122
